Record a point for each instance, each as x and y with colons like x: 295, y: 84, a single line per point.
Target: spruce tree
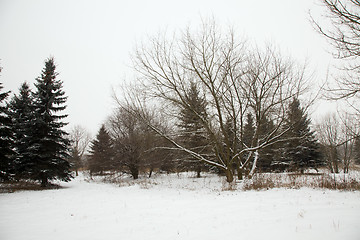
x: 49, y: 141
x: 192, y: 132
x: 248, y: 135
x: 301, y: 150
x: 231, y: 141
x: 6, y: 152
x: 101, y: 153
x: 21, y: 110
x: 266, y: 154
x: 357, y: 150
x: 248, y: 131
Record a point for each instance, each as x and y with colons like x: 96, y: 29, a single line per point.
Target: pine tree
x: 231, y: 140
x: 21, y: 110
x: 357, y: 150
x: 248, y: 134
x: 6, y: 152
x: 249, y: 131
x: 192, y: 132
x: 302, y: 149
x: 49, y: 141
x: 101, y: 153
x: 266, y: 154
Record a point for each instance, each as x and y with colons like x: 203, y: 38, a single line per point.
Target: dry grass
x: 14, y: 186
x: 228, y: 186
x: 260, y: 181
x: 263, y: 181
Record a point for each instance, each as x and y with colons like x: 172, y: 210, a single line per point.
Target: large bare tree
x: 234, y: 80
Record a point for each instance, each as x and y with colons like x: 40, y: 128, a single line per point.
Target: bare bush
x: 296, y: 181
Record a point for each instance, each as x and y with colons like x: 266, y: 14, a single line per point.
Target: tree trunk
x: 44, y: 182
x: 198, y: 171
x: 134, y: 171
x: 252, y: 171
x: 229, y: 175
x: 150, y: 173
x: 336, y: 166
x: 240, y: 173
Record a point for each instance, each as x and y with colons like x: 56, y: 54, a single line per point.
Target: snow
x: 177, y: 207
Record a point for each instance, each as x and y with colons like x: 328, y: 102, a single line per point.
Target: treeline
x: 231, y: 106
x: 128, y: 144
x: 224, y: 106
x: 205, y: 101
x: 32, y: 143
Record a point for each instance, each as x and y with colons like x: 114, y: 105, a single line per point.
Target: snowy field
x: 177, y: 207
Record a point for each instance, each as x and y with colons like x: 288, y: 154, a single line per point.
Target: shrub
x: 295, y: 181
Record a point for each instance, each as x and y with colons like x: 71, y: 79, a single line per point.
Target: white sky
x: 92, y: 40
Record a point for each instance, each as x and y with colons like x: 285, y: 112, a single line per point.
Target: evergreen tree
x: 301, y: 151
x: 21, y: 110
x: 231, y: 140
x: 248, y: 134
x: 357, y: 150
x: 49, y: 141
x: 192, y: 131
x: 249, y: 131
x: 266, y: 154
x: 101, y: 153
x: 6, y: 152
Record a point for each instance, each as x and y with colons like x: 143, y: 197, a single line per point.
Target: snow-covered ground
x: 177, y: 207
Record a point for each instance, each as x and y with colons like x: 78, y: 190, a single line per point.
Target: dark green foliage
x: 301, y: 150
x: 101, y: 153
x: 249, y: 131
x: 6, y: 141
x: 192, y: 132
x: 231, y: 142
x: 248, y: 137
x: 266, y: 154
x: 357, y: 150
x: 21, y: 110
x: 49, y: 141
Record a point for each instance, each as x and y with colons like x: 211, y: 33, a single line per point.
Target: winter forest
x: 204, y: 106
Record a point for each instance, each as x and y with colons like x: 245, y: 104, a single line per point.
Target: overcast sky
x: 92, y: 40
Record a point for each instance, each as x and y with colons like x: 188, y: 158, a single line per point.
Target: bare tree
x: 233, y: 80
x: 337, y: 134
x: 269, y: 85
x: 343, y: 17
x: 135, y: 144
x: 80, y: 139
x: 329, y: 136
x: 350, y: 132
